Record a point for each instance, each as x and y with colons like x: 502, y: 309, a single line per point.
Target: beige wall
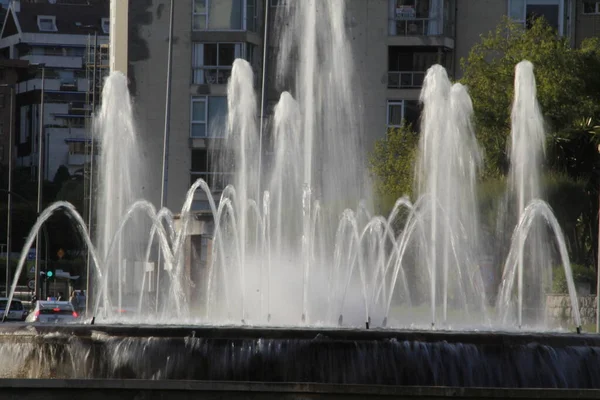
x: 368, y: 35
x: 474, y: 18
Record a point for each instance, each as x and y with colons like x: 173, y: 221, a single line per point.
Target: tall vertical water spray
x: 448, y: 161
x: 527, y: 140
x: 120, y: 180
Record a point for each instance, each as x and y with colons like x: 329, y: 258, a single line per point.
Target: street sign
x: 31, y: 284
x: 31, y: 271
x: 60, y: 254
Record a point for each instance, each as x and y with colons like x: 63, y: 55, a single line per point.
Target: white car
x: 52, y: 312
x: 16, y: 312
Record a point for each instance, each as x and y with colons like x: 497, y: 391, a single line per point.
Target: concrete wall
x: 368, y: 34
x: 147, y: 72
x: 560, y: 312
x: 474, y: 18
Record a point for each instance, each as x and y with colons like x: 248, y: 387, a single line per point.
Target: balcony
x: 420, y: 27
x: 405, y: 79
x: 422, y: 22
x: 212, y: 75
x: 55, y: 61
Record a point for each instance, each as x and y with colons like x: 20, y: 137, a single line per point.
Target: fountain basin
x: 301, y: 355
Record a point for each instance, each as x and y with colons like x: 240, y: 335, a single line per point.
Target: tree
x: 62, y: 175
x: 392, y: 164
x: 568, y: 86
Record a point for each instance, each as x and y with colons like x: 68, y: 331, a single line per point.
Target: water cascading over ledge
x: 409, y: 358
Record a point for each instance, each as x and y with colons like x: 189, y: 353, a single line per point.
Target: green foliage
x: 392, y: 165
x: 581, y: 274
x: 568, y: 87
x: 72, y: 191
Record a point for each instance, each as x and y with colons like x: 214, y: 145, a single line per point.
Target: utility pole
x: 40, y: 180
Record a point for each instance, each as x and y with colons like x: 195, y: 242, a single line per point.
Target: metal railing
x: 211, y: 75
x: 420, y: 27
x: 405, y: 79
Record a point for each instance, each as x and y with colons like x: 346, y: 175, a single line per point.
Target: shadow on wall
x: 140, y: 11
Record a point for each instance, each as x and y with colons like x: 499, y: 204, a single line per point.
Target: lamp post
x: 40, y: 177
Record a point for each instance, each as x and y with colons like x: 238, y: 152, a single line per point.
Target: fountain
x: 299, y: 265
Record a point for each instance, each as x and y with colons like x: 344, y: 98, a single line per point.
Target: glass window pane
x: 199, y: 22
x: 251, y: 15
x: 548, y: 11
x: 199, y: 6
x: 226, y: 54
x: 237, y: 14
x: 199, y: 129
x: 517, y: 10
x: 225, y: 14
x: 395, y: 114
x: 217, y: 115
x: 210, y: 54
x: 198, y: 110
x: 199, y: 160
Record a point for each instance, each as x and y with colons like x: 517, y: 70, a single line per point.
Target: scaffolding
x: 96, y: 62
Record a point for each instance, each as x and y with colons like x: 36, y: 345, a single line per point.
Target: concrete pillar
x: 119, y: 23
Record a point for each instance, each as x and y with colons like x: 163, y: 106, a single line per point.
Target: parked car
x: 16, y: 311
x: 52, y: 312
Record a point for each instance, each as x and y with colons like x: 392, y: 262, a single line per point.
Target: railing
x: 400, y: 26
x: 212, y: 75
x: 405, y: 79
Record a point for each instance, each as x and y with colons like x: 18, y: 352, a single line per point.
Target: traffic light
x: 50, y: 274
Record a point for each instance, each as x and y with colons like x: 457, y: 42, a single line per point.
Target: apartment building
x: 394, y: 42
x: 55, y: 38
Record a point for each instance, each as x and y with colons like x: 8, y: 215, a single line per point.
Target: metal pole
x: 40, y: 179
x: 165, y: 158
x: 88, y: 277
x: 9, y: 205
x: 262, y: 95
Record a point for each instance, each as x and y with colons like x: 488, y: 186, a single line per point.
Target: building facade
x: 394, y: 43
x: 64, y: 44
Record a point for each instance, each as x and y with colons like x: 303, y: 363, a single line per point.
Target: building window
x: 106, y: 25
x: 200, y: 15
x: 420, y: 17
x: 206, y: 166
x: 395, y: 113
x: 213, y: 62
x: 525, y: 11
x: 47, y: 23
x: 208, y: 116
x: 2, y: 100
x: 224, y: 15
x: 403, y: 112
x: 591, y: 7
x: 278, y: 3
x: 1, y: 128
x: 251, y: 16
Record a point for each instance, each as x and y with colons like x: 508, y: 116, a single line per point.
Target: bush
x: 581, y: 274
